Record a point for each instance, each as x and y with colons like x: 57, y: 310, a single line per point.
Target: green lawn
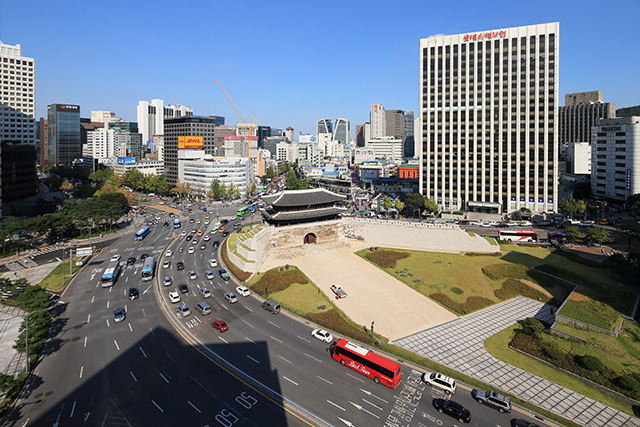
x: 498, y: 346
x: 54, y: 282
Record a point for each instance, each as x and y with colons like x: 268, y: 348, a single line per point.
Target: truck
x: 340, y: 293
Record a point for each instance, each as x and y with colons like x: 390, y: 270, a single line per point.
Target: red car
x: 219, y: 325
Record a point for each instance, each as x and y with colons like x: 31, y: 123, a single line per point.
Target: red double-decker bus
x: 382, y: 370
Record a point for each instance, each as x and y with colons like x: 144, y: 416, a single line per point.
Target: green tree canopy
x: 572, y: 206
x: 431, y: 206
x: 414, y: 202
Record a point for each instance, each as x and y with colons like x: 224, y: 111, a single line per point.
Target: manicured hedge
x: 278, y: 280
x: 512, y: 288
x: 385, y: 258
x: 482, y: 254
x: 472, y: 303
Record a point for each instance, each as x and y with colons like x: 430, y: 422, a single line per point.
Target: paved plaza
x: 459, y: 344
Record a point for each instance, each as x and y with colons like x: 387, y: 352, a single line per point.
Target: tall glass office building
x: 64, y: 134
x: 341, y: 132
x: 490, y: 119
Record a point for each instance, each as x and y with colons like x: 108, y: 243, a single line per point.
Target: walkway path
x: 467, y: 354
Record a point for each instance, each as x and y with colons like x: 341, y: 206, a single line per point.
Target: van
x: 203, y: 308
x: 271, y: 306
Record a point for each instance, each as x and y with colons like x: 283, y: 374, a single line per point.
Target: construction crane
x: 250, y: 127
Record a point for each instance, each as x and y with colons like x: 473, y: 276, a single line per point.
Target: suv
x: 491, y: 398
x: 115, y: 258
x: 203, y: 308
x: 453, y: 409
x: 440, y: 381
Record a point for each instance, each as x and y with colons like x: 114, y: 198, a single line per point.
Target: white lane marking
x: 291, y: 381
x: 157, y: 406
x: 81, y: 370
x: 250, y: 340
x: 273, y: 324
x: 194, y: 407
x: 247, y: 323
x: 339, y: 407
x: 143, y: 353
x: 356, y: 378
x: 126, y: 310
x: 73, y: 409
x: 367, y: 392
x: 288, y: 361
x: 145, y: 315
x: 85, y: 342
x: 249, y: 309
x: 372, y: 404
x: 327, y: 381
x: 89, y: 318
x: 25, y: 423
x: 274, y: 338
x: 169, y: 356
x: 110, y: 289
x: 124, y: 292
x: 130, y: 328
x: 164, y: 378
x: 314, y: 358
x: 107, y: 303
x: 134, y: 377
x: 146, y: 290
x: 224, y: 306
x: 93, y: 298
x: 107, y: 323
x: 116, y: 343
x: 223, y: 340
x: 253, y: 359
x: 364, y: 410
x: 303, y: 339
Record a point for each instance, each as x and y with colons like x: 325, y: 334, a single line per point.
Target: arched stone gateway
x: 310, y: 238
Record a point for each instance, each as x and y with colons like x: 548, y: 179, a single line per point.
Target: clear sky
x: 292, y: 62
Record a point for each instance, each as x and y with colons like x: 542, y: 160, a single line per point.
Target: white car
x: 192, y: 249
x: 322, y: 335
x: 166, y: 264
x: 209, y: 274
x: 169, y: 252
x: 525, y: 224
x: 243, y: 290
x: 167, y: 281
x: 184, y: 233
x: 440, y: 381
x: 206, y: 222
x: 206, y: 238
x: 192, y: 275
x: 213, y: 263
x: 174, y: 296
x: 115, y: 258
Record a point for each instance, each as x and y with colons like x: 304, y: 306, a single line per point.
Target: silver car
x: 231, y: 297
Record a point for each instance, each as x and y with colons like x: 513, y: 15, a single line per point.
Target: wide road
x: 143, y: 371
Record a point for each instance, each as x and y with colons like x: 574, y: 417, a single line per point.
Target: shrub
x: 589, y: 362
x: 628, y: 383
x: 331, y: 319
x: 472, y: 303
x: 512, y: 288
x: 532, y: 326
x: 278, y: 280
x: 555, y: 354
x: 482, y: 254
x: 457, y: 291
x: 505, y: 271
x: 385, y: 258
x: 458, y: 213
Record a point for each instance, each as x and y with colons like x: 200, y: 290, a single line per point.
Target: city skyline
x: 271, y: 67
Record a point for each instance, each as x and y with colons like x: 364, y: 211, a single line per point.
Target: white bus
x: 148, y: 269
x: 110, y: 274
x: 518, y: 235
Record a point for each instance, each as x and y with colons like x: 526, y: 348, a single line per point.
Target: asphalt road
x: 143, y: 372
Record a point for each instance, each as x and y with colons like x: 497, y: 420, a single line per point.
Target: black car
x: 166, y: 224
x: 216, y: 243
x: 203, y: 246
x: 453, y: 409
x: 225, y: 234
x: 191, y: 220
x: 525, y: 423
x: 143, y: 257
x: 224, y: 221
x: 131, y: 260
x: 133, y: 293
x: 180, y: 265
x: 189, y: 237
x: 183, y: 288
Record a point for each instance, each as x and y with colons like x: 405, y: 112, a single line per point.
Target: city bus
x: 518, y: 235
x: 147, y: 269
x: 110, y: 274
x: 255, y: 205
x: 382, y: 370
x: 176, y: 222
x: 143, y: 232
x: 243, y: 210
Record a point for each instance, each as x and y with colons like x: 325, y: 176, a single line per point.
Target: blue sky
x: 291, y: 62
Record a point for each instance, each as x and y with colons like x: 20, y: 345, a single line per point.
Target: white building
x: 151, y: 117
x: 146, y: 167
x: 615, y: 157
x: 101, y: 145
x: 105, y: 117
x: 489, y: 106
x: 386, y: 147
x: 290, y: 134
x: 18, y: 95
x: 378, y: 120
x: 579, y: 158
x: 200, y: 172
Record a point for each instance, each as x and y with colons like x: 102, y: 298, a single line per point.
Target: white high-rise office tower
x: 378, y: 121
x: 18, y: 95
x: 490, y: 119
x: 151, y: 117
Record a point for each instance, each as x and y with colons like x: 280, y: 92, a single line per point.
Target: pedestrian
x: 601, y: 251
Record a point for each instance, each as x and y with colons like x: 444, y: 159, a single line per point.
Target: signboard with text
x: 190, y: 142
x: 126, y: 160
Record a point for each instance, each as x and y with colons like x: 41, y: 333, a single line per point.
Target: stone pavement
x: 459, y: 344
x: 11, y: 362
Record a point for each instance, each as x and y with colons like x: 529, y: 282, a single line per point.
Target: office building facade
x: 186, y: 127
x: 490, y: 119
x: 342, y: 131
x: 63, y: 127
x: 580, y: 113
x: 324, y: 126
x: 378, y: 121
x: 18, y: 95
x: 151, y: 116
x: 200, y: 172
x: 615, y: 157
x: 409, y: 138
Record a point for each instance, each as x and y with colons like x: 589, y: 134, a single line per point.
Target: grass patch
x: 471, y: 234
x: 498, y: 346
x: 54, y: 281
x: 596, y: 313
x: 472, y: 303
x: 303, y: 298
x: 492, y: 241
x: 386, y: 258
x: 457, y: 291
x: 511, y: 288
x: 503, y: 271
x: 241, y: 275
x: 278, y: 279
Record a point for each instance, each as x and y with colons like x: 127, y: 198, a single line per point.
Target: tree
x: 66, y: 185
x: 233, y: 191
x: 103, y: 175
x: 599, y: 235
x: 252, y: 189
x: 386, y: 203
x: 8, y: 228
x: 575, y: 235
x: 414, y: 203
x: 134, y: 179
x: 181, y: 189
x: 399, y: 205
x: 629, y: 232
x: 217, y: 189
x: 572, y: 206
x: 268, y: 174
x: 431, y: 206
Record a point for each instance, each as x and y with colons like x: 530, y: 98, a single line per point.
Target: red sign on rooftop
x: 487, y: 35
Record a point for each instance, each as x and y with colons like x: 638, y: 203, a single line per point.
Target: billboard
x: 126, y: 160
x: 190, y: 142
x: 67, y: 107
